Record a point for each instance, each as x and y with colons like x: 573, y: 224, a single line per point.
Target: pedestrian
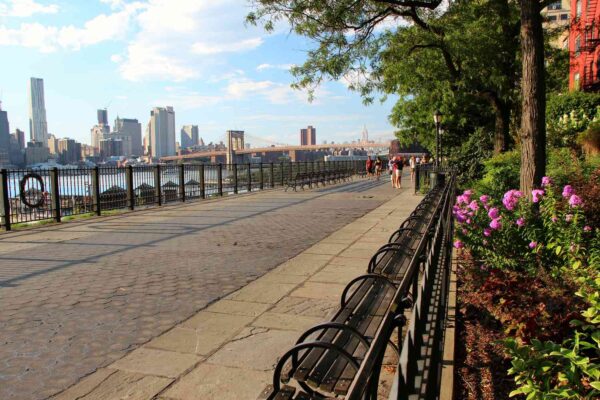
x: 399, y: 163
x: 412, y: 162
x: 369, y: 167
x: 418, y: 160
x: 378, y: 165
x: 391, y: 168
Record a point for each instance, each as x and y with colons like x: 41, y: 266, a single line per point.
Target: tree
x: 348, y: 42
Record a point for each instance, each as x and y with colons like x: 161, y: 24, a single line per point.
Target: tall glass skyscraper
x: 38, y: 127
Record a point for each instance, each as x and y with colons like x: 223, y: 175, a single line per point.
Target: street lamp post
x: 437, y: 118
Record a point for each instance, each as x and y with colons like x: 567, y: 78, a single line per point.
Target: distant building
x: 235, y: 141
x: 88, y: 151
x: 189, y: 136
x: 103, y: 117
x: 161, y: 132
x: 308, y: 136
x: 130, y: 131
x: 20, y: 137
x: 584, y: 41
x: 99, y: 133
x: 36, y: 153
x: 16, y: 153
x: 111, y: 147
x: 4, y: 138
x: 38, y: 126
x: 68, y: 151
x: 52, y: 144
x: 557, y: 18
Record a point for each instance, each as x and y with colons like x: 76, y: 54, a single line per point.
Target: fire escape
x: 591, y: 41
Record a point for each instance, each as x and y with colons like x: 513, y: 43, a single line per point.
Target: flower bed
x: 534, y: 283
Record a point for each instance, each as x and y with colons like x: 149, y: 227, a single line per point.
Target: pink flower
x: 493, y: 213
x: 587, y: 228
x: 567, y: 191
x: 496, y: 224
x: 520, y: 222
x: 546, y: 181
x: 460, y: 217
x: 485, y: 242
x: 533, y: 245
x: 554, y: 219
x: 575, y: 200
x: 568, y: 217
x: 464, y: 231
x: 487, y: 232
x: 458, y: 244
x: 473, y: 205
x: 462, y: 199
x: 511, y: 199
x: 468, y: 193
x: 537, y: 195
x: 484, y: 198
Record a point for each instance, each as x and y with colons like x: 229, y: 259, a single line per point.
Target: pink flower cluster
x: 511, y: 199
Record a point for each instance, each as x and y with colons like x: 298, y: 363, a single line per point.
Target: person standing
x: 399, y: 164
x: 412, y: 162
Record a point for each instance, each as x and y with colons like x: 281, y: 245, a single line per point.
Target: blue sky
x: 196, y: 55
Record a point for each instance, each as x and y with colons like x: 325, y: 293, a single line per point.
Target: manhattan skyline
x: 198, y: 57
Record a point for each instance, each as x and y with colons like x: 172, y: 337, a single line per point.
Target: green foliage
x: 471, y: 155
x: 569, y: 114
x: 501, y: 173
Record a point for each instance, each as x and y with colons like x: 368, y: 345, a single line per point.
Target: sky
x: 195, y: 55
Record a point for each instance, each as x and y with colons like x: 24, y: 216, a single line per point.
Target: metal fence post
x: 262, y: 177
x: 55, y: 193
x: 182, y: 181
x: 202, y: 185
x: 282, y: 181
x: 96, y: 190
x: 249, y: 177
x: 5, y: 198
x: 272, y: 173
x: 158, y: 188
x: 129, y: 183
x: 235, y: 179
x: 220, y: 179
x: 417, y: 178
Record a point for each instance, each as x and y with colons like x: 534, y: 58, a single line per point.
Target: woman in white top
x: 413, y: 163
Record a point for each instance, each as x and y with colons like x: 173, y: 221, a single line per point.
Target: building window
x: 564, y: 17
x: 552, y: 18
x: 576, y: 81
x: 555, y: 6
x: 577, y: 44
x: 578, y: 9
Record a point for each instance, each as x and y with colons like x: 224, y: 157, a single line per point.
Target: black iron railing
x: 29, y: 195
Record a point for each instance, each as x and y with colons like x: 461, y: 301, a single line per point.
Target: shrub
x: 569, y: 114
x: 471, y: 155
x: 501, y: 172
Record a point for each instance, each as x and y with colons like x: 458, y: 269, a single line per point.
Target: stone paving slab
x: 246, y: 332
x: 78, y: 296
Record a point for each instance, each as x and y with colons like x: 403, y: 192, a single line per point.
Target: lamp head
x: 437, y: 116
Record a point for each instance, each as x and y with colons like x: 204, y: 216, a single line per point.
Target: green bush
x: 501, y: 173
x: 469, y: 157
x: 569, y: 114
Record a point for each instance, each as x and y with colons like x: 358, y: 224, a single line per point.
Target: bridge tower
x: 235, y: 141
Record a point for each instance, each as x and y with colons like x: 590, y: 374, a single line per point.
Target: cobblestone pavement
x: 78, y: 296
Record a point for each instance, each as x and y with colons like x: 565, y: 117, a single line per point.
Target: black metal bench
x: 327, y: 357
x: 302, y: 179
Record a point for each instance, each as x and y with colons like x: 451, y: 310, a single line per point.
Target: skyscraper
x: 162, y: 132
x: 38, y: 127
x: 189, y: 136
x: 365, y: 135
x: 103, y: 117
x: 308, y: 136
x: 130, y: 132
x: 4, y: 137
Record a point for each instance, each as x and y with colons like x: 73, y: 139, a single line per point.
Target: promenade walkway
x: 229, y: 350
x: 78, y: 297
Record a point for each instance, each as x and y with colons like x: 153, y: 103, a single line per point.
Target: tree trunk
x: 502, y: 125
x: 533, y: 119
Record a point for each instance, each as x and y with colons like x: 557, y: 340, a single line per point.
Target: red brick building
x: 584, y: 45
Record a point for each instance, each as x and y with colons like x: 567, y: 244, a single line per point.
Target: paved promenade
x: 78, y: 297
x: 229, y: 350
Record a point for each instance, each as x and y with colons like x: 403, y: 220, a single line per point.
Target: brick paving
x: 76, y: 297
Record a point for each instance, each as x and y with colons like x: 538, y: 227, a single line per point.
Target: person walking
x: 378, y: 165
x: 391, y: 168
x: 412, y: 162
x: 399, y: 164
x: 369, y: 167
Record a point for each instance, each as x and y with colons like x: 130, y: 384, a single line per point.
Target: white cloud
x: 25, y: 8
x: 183, y: 39
x: 234, y: 47
x: 285, y: 67
x: 51, y: 38
x: 116, y: 58
x: 275, y: 93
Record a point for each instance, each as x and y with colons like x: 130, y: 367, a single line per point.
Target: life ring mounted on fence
x: 41, y: 199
